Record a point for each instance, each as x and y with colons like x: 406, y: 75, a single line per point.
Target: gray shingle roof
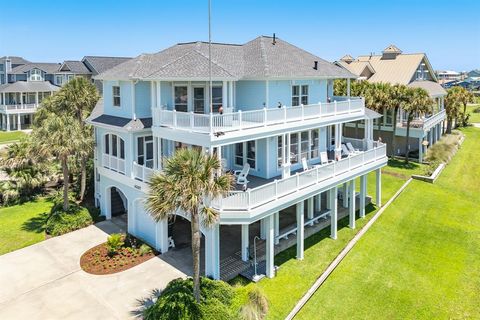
x: 434, y: 89
x: 44, y: 66
x: 97, y: 117
x: 102, y: 64
x: 29, y: 86
x: 257, y: 59
x: 71, y: 66
x: 14, y: 60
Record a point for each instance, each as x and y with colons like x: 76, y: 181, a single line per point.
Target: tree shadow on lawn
x: 400, y: 164
x: 36, y: 224
x: 144, y: 303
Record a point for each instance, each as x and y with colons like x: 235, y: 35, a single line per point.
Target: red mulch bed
x: 97, y: 261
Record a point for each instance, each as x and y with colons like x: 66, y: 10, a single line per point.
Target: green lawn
x: 6, y: 137
x: 22, y: 225
x: 421, y: 259
x: 474, y: 111
x: 295, y: 277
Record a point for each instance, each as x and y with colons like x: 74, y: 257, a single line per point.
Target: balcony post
x: 310, y: 209
x: 332, y: 206
x: 264, y: 117
x: 161, y: 233
x: 351, y: 208
x: 363, y: 194
x: 8, y: 121
x: 240, y: 119
x: 174, y: 118
x: 378, y: 174
x: 19, y: 122
x: 277, y: 226
x: 191, y: 119
x: 211, y: 122
x: 270, y: 254
x: 318, y: 202
x: 345, y: 195
x: 300, y: 229
x: 245, y: 242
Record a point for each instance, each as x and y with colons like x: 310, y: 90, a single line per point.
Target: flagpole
x: 210, y: 53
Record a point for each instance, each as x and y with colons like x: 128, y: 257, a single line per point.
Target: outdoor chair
x: 345, y: 151
x: 305, y: 164
x: 324, y: 158
x: 351, y: 148
x: 242, y: 175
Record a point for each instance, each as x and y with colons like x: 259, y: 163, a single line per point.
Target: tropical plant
x: 462, y: 97
x: 188, y: 182
x: 114, y: 242
x: 452, y: 108
x: 257, y: 306
x: 417, y: 101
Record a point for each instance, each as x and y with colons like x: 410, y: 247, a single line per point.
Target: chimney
x: 274, y: 41
x: 315, y: 65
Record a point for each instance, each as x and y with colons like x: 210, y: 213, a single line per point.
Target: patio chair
x: 345, y: 151
x: 305, y: 164
x: 241, y: 175
x: 324, y: 158
x: 351, y: 148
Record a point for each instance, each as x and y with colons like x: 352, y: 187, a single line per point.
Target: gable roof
x: 392, y: 49
x: 72, y: 66
x: 357, y: 67
x: 256, y: 59
x: 434, y: 89
x: 44, y: 66
x: 98, y: 64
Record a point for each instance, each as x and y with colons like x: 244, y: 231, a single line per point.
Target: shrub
x: 257, y: 306
x: 145, y: 249
x: 60, y: 222
x: 114, y: 243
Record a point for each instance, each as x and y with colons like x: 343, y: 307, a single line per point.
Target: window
x: 216, y: 98
x: 299, y: 95
x: 279, y: 152
x: 114, y: 146
x: 199, y: 100
x: 116, y: 96
x: 314, y: 152
x: 302, y: 145
x: 70, y: 77
x: 294, y: 148
x: 388, y: 117
x: 245, y: 152
x: 59, y: 80
x: 35, y: 75
x: 145, y: 151
x: 181, y: 98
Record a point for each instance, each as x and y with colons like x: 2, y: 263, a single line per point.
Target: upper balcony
x: 18, y: 108
x: 425, y: 123
x: 222, y: 127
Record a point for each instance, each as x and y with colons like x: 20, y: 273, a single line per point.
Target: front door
x: 199, y: 100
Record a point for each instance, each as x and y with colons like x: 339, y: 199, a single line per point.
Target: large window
x: 216, y: 98
x: 294, y: 148
x: 199, y: 99
x: 299, y: 95
x: 116, y: 96
x: 145, y: 151
x: 181, y: 98
x: 59, y: 80
x: 36, y: 75
x: 114, y: 146
x: 302, y: 145
x: 245, y: 152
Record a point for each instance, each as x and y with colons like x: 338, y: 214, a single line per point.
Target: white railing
x: 433, y: 120
x: 113, y: 163
x: 141, y: 173
x: 18, y: 107
x: 252, y: 198
x: 242, y: 120
x: 356, y: 143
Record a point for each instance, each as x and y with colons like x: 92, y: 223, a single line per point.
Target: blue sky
x: 448, y: 31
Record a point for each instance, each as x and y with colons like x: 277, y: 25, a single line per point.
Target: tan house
x: 410, y: 69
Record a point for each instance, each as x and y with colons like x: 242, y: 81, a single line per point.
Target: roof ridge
x: 214, y: 62
x: 264, y: 55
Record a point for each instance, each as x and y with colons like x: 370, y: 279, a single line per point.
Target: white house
x: 276, y: 120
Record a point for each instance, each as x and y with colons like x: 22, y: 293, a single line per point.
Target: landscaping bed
x: 118, y: 254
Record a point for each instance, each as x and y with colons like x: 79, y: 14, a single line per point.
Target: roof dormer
x: 391, y: 52
x: 347, y: 59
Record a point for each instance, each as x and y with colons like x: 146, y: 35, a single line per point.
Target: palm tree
x: 78, y: 98
x: 462, y: 96
x: 452, y: 108
x: 417, y: 101
x: 397, y: 99
x: 57, y: 135
x: 188, y: 182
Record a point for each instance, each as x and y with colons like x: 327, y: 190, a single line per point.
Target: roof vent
x: 315, y: 65
x: 274, y: 41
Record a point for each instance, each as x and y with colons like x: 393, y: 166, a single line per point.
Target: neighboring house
x: 474, y: 73
x: 24, y: 84
x: 98, y: 65
x: 448, y: 75
x: 410, y: 69
x: 276, y: 126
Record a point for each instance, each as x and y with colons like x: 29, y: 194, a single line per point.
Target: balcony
x: 426, y: 123
x: 267, y: 191
x: 215, y: 124
x: 18, y: 108
x: 141, y: 173
x: 113, y: 163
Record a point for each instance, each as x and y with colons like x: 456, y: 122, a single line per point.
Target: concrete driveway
x: 45, y: 281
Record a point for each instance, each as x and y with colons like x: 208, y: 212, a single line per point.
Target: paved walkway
x: 45, y: 281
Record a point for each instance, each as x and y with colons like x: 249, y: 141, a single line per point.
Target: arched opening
x: 117, y: 207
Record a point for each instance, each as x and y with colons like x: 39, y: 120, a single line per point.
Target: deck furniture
x: 241, y: 175
x: 351, y: 148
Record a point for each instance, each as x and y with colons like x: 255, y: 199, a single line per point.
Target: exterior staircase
x: 117, y: 203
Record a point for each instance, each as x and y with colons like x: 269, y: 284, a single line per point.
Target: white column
x: 161, y: 230
x: 277, y: 226
x: 19, y: 122
x: 262, y: 229
x: 318, y: 202
x: 351, y: 208
x: 363, y: 194
x: 230, y: 95
x: 378, y: 174
x: 310, y: 209
x: 245, y: 242
x: 348, y: 87
x: 345, y: 195
x: 270, y: 252
x: 8, y: 122
x: 224, y: 94
x: 159, y: 94
x: 300, y: 229
x: 155, y: 153
x: 153, y: 92
x: 332, y: 206
x: 107, y: 204
x: 212, y: 252
x: 338, y: 142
